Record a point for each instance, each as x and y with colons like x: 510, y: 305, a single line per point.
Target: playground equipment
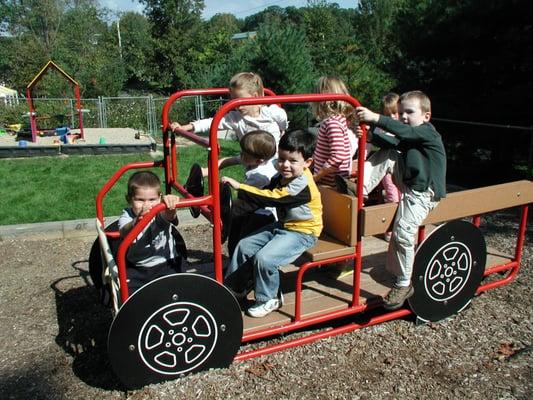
x: 32, y: 113
x: 188, y: 322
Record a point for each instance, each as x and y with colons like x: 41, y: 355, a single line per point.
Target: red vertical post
x: 33, y: 122
x: 78, y: 107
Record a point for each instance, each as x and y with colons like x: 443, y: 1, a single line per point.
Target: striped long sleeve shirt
x: 333, y: 148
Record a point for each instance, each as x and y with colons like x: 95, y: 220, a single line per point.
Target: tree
x: 270, y: 15
x: 176, y: 27
x: 88, y: 49
x: 375, y: 24
x: 137, y: 50
x: 321, y: 29
x: 217, y: 39
x: 472, y: 58
x: 281, y: 56
x: 82, y: 47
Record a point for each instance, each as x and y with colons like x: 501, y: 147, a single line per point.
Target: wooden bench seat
x: 327, y: 247
x: 339, y: 214
x: 467, y: 203
x: 339, y: 235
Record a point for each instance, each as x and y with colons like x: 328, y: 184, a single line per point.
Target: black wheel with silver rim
x: 173, y: 326
x: 447, y: 271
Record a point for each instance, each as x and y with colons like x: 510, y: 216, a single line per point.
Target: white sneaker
x: 262, y: 308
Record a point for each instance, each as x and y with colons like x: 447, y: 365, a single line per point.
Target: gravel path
x: 53, y: 341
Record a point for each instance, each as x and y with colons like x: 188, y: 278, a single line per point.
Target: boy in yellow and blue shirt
x: 297, y: 200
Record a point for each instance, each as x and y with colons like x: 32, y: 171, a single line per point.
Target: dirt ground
x: 53, y: 341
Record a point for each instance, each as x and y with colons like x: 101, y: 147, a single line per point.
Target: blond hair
x: 249, y: 81
x: 389, y: 103
x: 425, y: 103
x: 325, y: 109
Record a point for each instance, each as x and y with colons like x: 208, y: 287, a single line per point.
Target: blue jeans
x: 261, y: 254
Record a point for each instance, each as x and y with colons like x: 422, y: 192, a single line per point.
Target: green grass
x: 63, y: 188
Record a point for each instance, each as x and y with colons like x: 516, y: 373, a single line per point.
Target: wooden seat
x: 379, y: 218
x: 327, y: 247
x: 339, y: 215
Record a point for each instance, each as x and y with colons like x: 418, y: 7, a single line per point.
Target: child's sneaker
x: 397, y: 297
x: 262, y: 308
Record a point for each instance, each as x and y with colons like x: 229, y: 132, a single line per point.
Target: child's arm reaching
x: 324, y: 172
x: 187, y: 127
x: 223, y: 163
x: 168, y: 215
x: 132, y: 220
x: 359, y: 133
x: 365, y: 115
x: 233, y: 183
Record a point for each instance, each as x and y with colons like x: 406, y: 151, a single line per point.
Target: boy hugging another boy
x: 415, y: 156
x: 297, y: 200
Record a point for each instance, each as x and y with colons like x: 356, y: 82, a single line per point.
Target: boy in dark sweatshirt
x: 416, y: 158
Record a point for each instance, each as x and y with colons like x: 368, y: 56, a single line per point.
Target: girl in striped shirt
x: 336, y: 142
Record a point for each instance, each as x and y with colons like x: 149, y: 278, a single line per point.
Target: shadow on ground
x: 83, y: 327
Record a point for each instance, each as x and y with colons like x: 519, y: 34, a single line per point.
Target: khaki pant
x: 413, y: 208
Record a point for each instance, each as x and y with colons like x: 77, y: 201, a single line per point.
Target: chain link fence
x: 142, y: 113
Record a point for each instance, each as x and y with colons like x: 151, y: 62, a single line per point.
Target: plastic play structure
x: 8, y: 96
x: 31, y: 86
x: 188, y: 322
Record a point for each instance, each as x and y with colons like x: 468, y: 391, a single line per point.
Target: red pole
x: 33, y: 121
x: 78, y: 107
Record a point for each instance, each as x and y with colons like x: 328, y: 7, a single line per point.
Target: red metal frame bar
x: 211, y: 205
x: 514, y: 265
x: 169, y: 163
x: 111, y: 182
x: 279, y: 99
x: 170, y: 153
x: 299, y: 323
x: 321, y: 335
x: 170, y: 159
x: 137, y: 229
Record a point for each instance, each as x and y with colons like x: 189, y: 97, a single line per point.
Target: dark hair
x: 259, y: 144
x: 299, y: 140
x: 142, y: 179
